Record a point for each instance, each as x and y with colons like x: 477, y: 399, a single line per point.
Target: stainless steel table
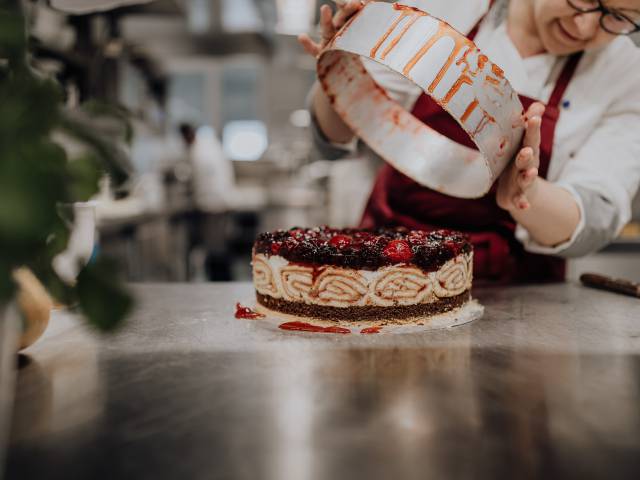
x: 547, y: 385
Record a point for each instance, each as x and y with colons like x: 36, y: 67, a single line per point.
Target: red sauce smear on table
x: 307, y: 327
x: 246, y: 313
x: 370, y: 330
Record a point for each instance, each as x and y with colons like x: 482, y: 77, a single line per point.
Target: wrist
x: 531, y: 194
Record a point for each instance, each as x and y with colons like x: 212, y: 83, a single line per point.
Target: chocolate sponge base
x: 366, y: 313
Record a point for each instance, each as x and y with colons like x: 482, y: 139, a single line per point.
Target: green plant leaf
x: 28, y: 108
x: 57, y: 288
x: 113, y: 159
x: 84, y: 177
x: 36, y: 178
x: 101, y: 297
x: 97, y: 109
x: 13, y: 40
x: 58, y: 238
x: 7, y: 287
x: 32, y: 184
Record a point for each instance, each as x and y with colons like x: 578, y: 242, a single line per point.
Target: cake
x: 348, y: 275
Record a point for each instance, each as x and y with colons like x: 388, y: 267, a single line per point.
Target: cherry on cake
x: 349, y: 275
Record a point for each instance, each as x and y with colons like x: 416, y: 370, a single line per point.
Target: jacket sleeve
x: 603, y: 176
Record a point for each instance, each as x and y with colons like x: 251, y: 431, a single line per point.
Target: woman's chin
x: 558, y: 42
x: 560, y: 48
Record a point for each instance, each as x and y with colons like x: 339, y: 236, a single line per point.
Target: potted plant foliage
x: 38, y: 179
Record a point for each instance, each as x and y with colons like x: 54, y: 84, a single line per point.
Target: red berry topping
x: 417, y: 237
x: 364, y: 249
x: 297, y: 233
x: 275, y: 248
x: 453, y: 247
x: 398, y: 251
x: 374, y: 241
x: 340, y: 241
x: 291, y: 244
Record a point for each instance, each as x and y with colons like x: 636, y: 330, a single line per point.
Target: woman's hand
x: 518, y: 184
x: 547, y: 211
x: 330, y: 23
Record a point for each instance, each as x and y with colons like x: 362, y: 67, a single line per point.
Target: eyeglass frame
x: 604, y: 12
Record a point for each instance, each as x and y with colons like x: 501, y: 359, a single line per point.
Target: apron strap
x: 474, y: 31
x: 564, y: 79
x: 553, y: 111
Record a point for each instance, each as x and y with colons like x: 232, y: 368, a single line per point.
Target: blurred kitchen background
x: 221, y: 149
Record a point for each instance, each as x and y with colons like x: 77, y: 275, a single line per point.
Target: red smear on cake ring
x: 307, y: 327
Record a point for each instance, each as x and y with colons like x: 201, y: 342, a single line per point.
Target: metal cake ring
x: 448, y: 67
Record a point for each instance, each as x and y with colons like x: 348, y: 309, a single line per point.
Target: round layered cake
x: 362, y: 275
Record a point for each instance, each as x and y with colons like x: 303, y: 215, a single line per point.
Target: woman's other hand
x: 517, y: 186
x: 549, y: 212
x: 329, y: 122
x: 330, y: 23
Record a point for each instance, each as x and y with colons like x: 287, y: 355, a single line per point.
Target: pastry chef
x: 568, y: 192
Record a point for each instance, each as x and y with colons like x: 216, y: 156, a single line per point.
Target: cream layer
x: 397, y: 285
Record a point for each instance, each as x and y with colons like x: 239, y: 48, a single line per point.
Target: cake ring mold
x: 450, y: 69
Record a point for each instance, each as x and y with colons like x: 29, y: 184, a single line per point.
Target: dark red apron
x: 396, y: 200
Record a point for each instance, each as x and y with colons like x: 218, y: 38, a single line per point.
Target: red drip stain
x: 380, y: 90
x: 482, y: 61
x: 472, y: 106
x: 395, y: 117
x: 307, y: 327
x: 456, y: 86
x: 246, y: 313
x: 405, y: 11
x: 397, y: 6
x: 316, y: 271
x: 444, y: 30
x: 493, y: 83
x: 387, y: 34
x: 370, y: 330
x: 486, y: 120
x: 466, y: 69
x: 399, y: 37
x: 497, y: 71
x: 465, y: 60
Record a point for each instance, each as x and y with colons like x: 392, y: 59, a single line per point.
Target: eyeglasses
x: 616, y: 21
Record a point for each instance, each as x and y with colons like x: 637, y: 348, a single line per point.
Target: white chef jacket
x: 596, y: 154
